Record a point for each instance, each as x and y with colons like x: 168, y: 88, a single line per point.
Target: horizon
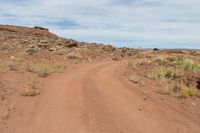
x: 122, y: 23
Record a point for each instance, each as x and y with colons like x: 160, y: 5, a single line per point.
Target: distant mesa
x: 36, y: 30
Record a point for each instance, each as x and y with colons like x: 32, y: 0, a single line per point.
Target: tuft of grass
x: 42, y: 70
x: 186, y: 92
x: 32, y: 88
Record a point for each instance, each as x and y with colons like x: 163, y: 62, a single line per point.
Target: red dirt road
x: 94, y: 98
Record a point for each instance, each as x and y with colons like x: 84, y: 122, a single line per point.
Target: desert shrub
x: 71, y: 55
x: 32, y: 84
x: 166, y: 73
x: 41, y: 70
x: 196, y: 67
x: 172, y: 59
x: 32, y: 50
x: 160, y: 73
x: 159, y: 61
x: 189, y: 65
x: 32, y: 88
x: 186, y: 92
x: 173, y: 73
x: 7, y: 47
x: 169, y: 62
x: 4, y: 47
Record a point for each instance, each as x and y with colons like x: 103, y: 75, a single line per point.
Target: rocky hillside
x: 38, y: 41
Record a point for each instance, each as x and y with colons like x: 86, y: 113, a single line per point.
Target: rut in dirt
x: 95, y: 98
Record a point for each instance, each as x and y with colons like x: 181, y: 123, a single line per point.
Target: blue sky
x: 131, y: 23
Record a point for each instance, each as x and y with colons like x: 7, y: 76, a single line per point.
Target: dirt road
x: 94, y: 98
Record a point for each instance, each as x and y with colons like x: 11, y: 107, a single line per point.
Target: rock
x: 12, y: 58
x: 40, y: 28
x: 52, y: 49
x: 71, y: 55
x: 194, y: 104
x: 141, y: 109
x: 45, y: 46
x: 71, y: 43
x: 60, y: 52
x: 198, y: 84
x: 145, y: 99
x: 134, y: 78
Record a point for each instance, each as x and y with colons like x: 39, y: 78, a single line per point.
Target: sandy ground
x: 95, y: 98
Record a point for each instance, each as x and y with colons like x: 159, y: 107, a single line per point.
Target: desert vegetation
x: 173, y: 72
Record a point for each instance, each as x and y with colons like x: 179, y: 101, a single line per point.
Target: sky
x: 123, y: 23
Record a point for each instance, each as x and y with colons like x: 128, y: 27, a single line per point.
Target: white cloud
x: 136, y: 22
